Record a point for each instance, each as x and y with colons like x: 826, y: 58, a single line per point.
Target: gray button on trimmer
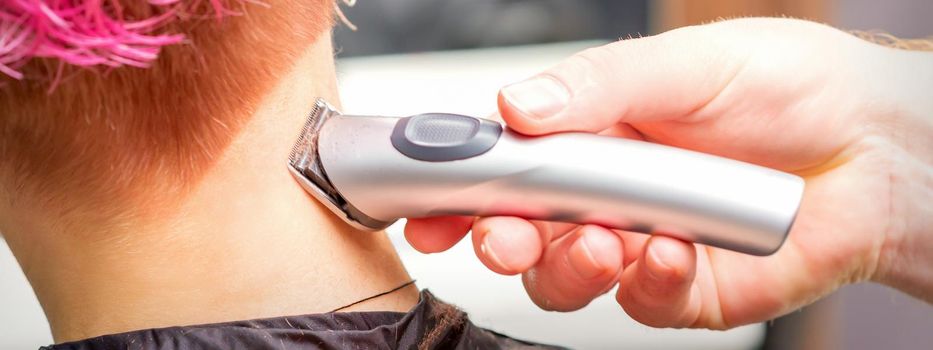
x: 437, y: 137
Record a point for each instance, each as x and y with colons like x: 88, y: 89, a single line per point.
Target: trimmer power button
x: 437, y: 137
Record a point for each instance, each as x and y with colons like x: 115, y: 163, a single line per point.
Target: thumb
x: 667, y: 76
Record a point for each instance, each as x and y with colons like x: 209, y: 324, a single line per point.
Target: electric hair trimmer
x: 373, y: 170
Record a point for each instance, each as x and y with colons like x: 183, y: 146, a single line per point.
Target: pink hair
x: 87, y: 33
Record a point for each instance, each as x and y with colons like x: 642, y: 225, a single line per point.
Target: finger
x: 553, y: 230
x: 507, y: 245
x: 658, y: 289
x: 646, y: 79
x: 623, y: 130
x: 634, y: 245
x: 575, y: 269
x: 437, y: 234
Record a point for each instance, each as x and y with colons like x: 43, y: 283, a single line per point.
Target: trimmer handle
x: 445, y: 164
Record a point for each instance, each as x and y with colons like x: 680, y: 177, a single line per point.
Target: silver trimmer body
x: 373, y: 170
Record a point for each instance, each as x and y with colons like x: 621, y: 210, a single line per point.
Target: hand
x: 787, y: 94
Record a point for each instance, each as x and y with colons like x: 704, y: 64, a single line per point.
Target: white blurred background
x: 413, y: 56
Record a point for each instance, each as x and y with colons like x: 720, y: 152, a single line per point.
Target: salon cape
x: 431, y: 324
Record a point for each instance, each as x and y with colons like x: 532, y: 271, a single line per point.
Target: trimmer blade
x: 305, y: 165
x: 304, y: 151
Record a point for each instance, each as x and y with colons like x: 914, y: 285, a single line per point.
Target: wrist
x: 905, y: 261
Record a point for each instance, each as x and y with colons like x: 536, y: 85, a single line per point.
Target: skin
x: 853, y: 118
x: 246, y: 242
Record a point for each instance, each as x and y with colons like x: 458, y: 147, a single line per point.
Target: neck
x: 246, y: 243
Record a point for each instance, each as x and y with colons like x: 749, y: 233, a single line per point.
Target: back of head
x: 85, y: 141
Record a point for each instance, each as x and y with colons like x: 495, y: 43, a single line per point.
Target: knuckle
x: 646, y: 315
x: 549, y: 294
x: 581, y: 64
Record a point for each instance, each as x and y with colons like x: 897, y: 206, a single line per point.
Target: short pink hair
x: 89, y: 33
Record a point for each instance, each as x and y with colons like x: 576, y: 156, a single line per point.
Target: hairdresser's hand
x: 851, y: 117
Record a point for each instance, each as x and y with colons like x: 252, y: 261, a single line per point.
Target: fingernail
x: 488, y: 247
x: 592, y: 255
x: 660, y: 249
x: 539, y: 97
